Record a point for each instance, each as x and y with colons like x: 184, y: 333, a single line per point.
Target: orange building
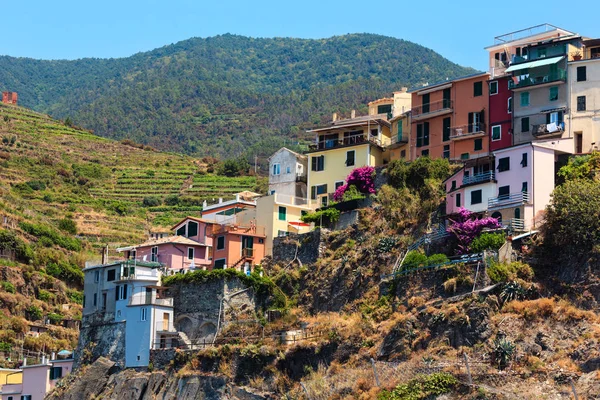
x: 449, y: 119
x: 239, y: 247
x: 9, y: 97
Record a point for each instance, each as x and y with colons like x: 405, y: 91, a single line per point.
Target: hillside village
x: 498, y: 137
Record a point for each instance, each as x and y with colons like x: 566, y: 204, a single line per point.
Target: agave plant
x: 504, y: 351
x: 512, y: 291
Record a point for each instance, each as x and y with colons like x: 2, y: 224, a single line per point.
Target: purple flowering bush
x: 466, y: 227
x: 362, y: 178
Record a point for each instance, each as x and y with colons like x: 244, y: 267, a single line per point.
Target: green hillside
x: 226, y: 95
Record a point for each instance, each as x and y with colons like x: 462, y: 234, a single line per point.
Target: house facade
x: 500, y: 115
x: 287, y: 173
x: 449, y: 119
x: 35, y: 380
x: 342, y: 146
x: 584, y: 97
x: 129, y: 292
x: 399, y: 147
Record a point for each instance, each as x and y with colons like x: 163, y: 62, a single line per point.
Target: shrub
x: 414, y: 259
x: 75, y: 296
x: 325, y: 215
x: 36, y: 185
x: 487, y: 241
x: 8, y: 287
x: 55, y: 318
x: 466, y: 226
x: 422, y: 387
x: 44, y: 295
x: 503, y: 352
x: 67, y: 225
x: 172, y: 200
x: 65, y: 271
x: 501, y: 272
x: 151, y: 201
x: 34, y: 313
x: 9, y: 240
x: 386, y: 244
x: 42, y: 231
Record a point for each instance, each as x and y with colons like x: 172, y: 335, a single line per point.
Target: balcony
x: 479, y: 178
x: 467, y: 131
x: 239, y: 229
x: 432, y: 109
x: 538, y: 79
x: 143, y: 300
x: 515, y: 224
x: 290, y: 200
x: 508, y: 200
x: 248, y: 253
x: 354, y: 140
x: 301, y: 178
x: 548, y: 130
x: 398, y: 140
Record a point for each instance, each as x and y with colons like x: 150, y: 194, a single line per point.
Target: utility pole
x: 255, y: 164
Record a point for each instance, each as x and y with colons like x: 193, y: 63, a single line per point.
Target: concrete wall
x: 585, y: 123
x: 290, y: 166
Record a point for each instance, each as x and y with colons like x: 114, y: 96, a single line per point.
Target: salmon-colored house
x: 449, y: 119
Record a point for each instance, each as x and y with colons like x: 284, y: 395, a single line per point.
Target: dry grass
x: 544, y: 308
x: 416, y: 301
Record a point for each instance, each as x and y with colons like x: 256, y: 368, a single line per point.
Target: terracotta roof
x: 248, y: 196
x: 383, y: 100
x: 206, y: 221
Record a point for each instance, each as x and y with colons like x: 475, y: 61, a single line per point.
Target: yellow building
x: 280, y: 214
x: 399, y: 149
x: 344, y: 145
x: 10, y: 376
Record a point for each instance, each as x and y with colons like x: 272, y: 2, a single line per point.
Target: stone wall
x: 308, y: 247
x: 100, y: 336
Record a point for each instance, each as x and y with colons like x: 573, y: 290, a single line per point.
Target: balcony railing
x: 346, y: 141
x: 301, y: 178
x: 516, y: 224
x: 291, y: 200
x: 548, y: 129
x: 459, y: 132
x: 399, y: 139
x: 509, y: 199
x: 239, y: 229
x: 147, y: 300
x: 248, y: 253
x: 479, y: 178
x: 436, y: 106
x: 537, y: 79
x: 165, y: 326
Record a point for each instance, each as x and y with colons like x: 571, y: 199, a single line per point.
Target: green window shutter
x: 419, y: 135
x: 525, y: 124
x: 446, y: 129
x: 282, y: 213
x: 478, y: 144
x: 547, y: 118
x: 313, y: 192
x: 426, y: 134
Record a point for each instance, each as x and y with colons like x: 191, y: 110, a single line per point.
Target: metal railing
x: 436, y: 106
x: 466, y: 130
x: 248, y: 253
x: 542, y: 129
x: 477, y: 178
x: 523, y: 33
x: 165, y: 326
x: 537, y: 79
x: 505, y: 200
x: 516, y: 224
x: 346, y: 141
x: 240, y: 229
x: 399, y: 139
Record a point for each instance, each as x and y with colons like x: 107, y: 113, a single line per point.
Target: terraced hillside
x: 114, y: 192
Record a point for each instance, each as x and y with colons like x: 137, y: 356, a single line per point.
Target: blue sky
x: 68, y: 29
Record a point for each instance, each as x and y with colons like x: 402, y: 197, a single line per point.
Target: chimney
x: 53, y: 355
x: 105, y: 255
x: 404, y: 89
x: 353, y: 114
x: 334, y: 117
x: 24, y: 361
x: 220, y: 200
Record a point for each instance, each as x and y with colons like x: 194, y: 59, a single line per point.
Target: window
x: 509, y: 105
x: 192, y: 229
x: 425, y: 153
x: 143, y: 314
x: 503, y: 192
x: 282, y: 213
x: 403, y: 154
x: 384, y: 109
x: 190, y: 253
x: 524, y: 187
x: 446, y: 153
x: 554, y: 93
x: 220, y: 263
x: 181, y: 231
x: 504, y: 164
x: 457, y: 199
x: 154, y: 254
x: 121, y: 292
x: 446, y: 129
x: 350, y: 156
x: 220, y: 242
x: 477, y: 89
x: 399, y: 130
x: 419, y: 135
x: 464, y: 156
x: 554, y: 117
x: 317, y: 190
x: 324, y: 200
x: 95, y: 299
x: 496, y: 132
x: 276, y: 169
x: 581, y: 74
x: 272, y: 192
x: 318, y: 163
x: 281, y: 233
x: 453, y: 186
x: 423, y: 134
x: 476, y: 197
x: 111, y: 275
x: 96, y: 276
x: 26, y: 397
x: 478, y: 144
x: 524, y: 160
x: 425, y: 103
x: 55, y: 373
x: 374, y: 132
x: 338, y: 184
x: 493, y: 88
x: 288, y: 170
x: 580, y: 103
x: 525, y: 124
x: 524, y: 99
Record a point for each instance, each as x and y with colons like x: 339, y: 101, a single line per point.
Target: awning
x: 533, y: 64
x: 299, y: 224
x: 551, y: 110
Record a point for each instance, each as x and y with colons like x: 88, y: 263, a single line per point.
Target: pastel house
x: 36, y: 380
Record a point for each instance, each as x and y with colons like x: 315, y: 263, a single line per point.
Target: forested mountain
x: 226, y: 95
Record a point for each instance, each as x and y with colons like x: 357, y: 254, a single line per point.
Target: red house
x: 500, y: 113
x: 9, y: 97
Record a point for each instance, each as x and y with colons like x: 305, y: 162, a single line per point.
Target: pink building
x: 513, y: 185
x: 176, y: 252
x: 37, y: 380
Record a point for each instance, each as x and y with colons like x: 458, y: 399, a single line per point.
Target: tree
x: 466, y: 226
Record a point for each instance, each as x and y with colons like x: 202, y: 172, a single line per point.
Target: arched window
x: 498, y: 216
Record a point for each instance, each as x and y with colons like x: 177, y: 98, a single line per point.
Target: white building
x: 129, y: 291
x: 287, y: 173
